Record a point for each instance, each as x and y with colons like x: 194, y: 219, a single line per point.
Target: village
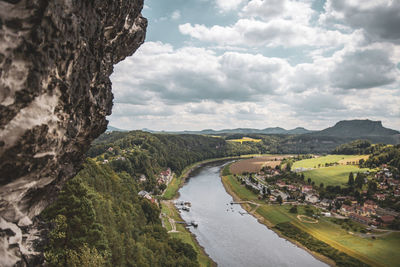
x: 163, y: 179
x: 280, y: 187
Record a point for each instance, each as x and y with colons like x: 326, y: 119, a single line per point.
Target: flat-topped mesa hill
x: 55, y: 93
x: 356, y: 128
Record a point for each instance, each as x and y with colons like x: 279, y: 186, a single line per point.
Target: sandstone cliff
x: 55, y: 61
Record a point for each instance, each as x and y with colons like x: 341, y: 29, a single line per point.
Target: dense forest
x: 100, y: 220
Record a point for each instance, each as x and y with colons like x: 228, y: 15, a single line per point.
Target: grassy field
x: 335, y: 175
x: 245, y: 139
x: 382, y: 251
x: 184, y: 234
x: 313, y: 163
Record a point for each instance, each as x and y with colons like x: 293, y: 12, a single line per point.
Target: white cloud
x: 352, y: 52
x: 298, y: 11
x: 277, y: 32
x: 379, y: 18
x: 176, y: 15
x: 228, y: 5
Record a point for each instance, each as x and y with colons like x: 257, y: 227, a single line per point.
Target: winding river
x: 230, y: 238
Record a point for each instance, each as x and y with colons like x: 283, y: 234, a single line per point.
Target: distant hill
x: 112, y: 129
x: 357, y: 128
x: 271, y: 130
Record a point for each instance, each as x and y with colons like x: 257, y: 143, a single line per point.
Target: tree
x: 309, y: 180
x: 321, y: 185
x: 359, y: 180
x: 162, y: 187
x: 279, y: 199
x: 372, y: 187
x: 351, y: 179
x: 288, y: 166
x: 293, y: 209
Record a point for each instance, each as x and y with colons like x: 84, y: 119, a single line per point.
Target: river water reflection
x: 232, y: 239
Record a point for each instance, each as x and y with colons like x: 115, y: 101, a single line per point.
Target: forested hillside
x: 100, y: 220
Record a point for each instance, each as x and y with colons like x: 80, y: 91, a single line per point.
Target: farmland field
x: 255, y: 164
x: 245, y: 139
x: 313, y: 163
x: 335, y: 175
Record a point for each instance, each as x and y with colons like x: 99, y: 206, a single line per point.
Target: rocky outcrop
x: 55, y: 93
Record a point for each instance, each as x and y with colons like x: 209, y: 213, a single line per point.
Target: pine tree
x: 351, y: 179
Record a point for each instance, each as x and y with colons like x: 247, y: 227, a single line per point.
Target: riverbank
x: 169, y: 208
x: 181, y: 232
x: 171, y: 192
x: 247, y: 207
x: 318, y: 239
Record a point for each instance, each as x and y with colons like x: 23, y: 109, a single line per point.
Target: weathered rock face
x: 55, y: 61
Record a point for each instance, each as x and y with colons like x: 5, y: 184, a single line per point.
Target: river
x: 229, y: 238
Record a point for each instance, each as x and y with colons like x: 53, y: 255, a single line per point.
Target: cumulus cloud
x: 364, y: 69
x: 228, y: 75
x: 256, y: 33
x: 194, y: 74
x: 228, y: 5
x: 298, y: 11
x: 176, y: 15
x: 379, y: 18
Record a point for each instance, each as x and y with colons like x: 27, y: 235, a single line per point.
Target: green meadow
x: 333, y: 175
x: 313, y: 163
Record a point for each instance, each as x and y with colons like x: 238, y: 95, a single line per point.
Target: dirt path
x: 173, y: 225
x: 171, y: 221
x: 306, y: 219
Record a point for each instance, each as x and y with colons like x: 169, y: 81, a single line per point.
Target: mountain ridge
x: 343, y: 128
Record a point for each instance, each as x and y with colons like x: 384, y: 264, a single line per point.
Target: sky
x: 218, y: 64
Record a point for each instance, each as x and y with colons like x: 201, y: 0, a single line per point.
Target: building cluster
x: 297, y: 192
x: 388, y: 187
x: 165, y: 177
x: 148, y: 196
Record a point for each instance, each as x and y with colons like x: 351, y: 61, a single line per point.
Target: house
x: 380, y: 196
x: 143, y: 193
x: 325, y: 202
x: 277, y: 193
x: 142, y: 178
x: 306, y: 188
x: 281, y: 184
x: 312, y: 198
x: 105, y: 161
x: 364, y: 211
x: 292, y: 187
x: 359, y: 218
x: 110, y: 149
x: 396, y: 193
x: 346, y: 210
x: 272, y: 198
x: 370, y: 204
x: 387, y: 219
